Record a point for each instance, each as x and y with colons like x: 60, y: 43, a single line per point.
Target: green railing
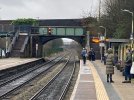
x: 61, y: 31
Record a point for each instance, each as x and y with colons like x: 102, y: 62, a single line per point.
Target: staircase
x: 18, y: 45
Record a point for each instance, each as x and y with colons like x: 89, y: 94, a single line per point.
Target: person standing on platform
x: 84, y: 55
x: 105, y: 57
x: 93, y: 54
x: 90, y: 55
x: 128, y: 64
x: 110, y: 65
x: 115, y: 59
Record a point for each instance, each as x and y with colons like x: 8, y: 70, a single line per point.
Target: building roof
x: 53, y: 22
x: 5, y: 21
x: 61, y: 22
x: 119, y: 40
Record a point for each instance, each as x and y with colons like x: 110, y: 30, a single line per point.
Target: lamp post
x: 31, y: 44
x: 6, y: 42
x: 105, y: 31
x: 6, y: 50
x: 0, y: 9
x: 103, y: 38
x: 131, y: 36
x: 88, y: 39
x: 132, y: 31
x: 37, y: 18
x: 36, y: 50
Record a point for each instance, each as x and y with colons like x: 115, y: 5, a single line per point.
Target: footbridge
x: 24, y: 40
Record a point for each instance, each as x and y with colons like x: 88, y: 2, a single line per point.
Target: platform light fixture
x: 132, y: 30
x: 103, y: 39
x: 131, y: 36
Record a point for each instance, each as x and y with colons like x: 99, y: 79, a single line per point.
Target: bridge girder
x: 79, y: 39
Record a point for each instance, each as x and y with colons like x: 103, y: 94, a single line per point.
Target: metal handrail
x: 24, y: 44
x: 12, y: 43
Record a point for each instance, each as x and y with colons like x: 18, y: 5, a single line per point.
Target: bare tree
x: 116, y: 21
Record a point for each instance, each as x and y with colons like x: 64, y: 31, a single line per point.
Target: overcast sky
x: 47, y: 9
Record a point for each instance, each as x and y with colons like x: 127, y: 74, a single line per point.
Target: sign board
x: 102, y: 38
x: 101, y: 44
x: 23, y: 33
x: 36, y: 46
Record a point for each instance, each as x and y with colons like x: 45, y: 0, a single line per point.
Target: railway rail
x: 22, y: 79
x: 57, y: 87
x: 18, y: 73
x: 4, y: 74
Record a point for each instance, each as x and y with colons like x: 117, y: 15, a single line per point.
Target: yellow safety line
x: 100, y: 89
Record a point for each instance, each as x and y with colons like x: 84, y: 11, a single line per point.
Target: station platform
x: 11, y: 62
x: 92, y: 85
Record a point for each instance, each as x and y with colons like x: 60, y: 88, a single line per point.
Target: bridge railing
x: 59, y: 30
x: 35, y: 30
x: 7, y: 34
x: 23, y: 52
x: 23, y: 28
x: 6, y: 28
x: 12, y: 44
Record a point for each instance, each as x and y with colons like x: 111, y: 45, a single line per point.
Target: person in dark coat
x: 128, y: 65
x: 93, y: 54
x: 109, y: 65
x: 84, y: 55
x: 115, y: 59
x: 90, y: 55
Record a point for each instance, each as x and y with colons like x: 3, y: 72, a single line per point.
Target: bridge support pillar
x: 36, y: 47
x: 31, y: 46
x: 40, y: 47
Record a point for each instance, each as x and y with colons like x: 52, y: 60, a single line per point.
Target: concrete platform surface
x: 88, y: 85
x: 11, y: 62
x: 92, y: 84
x: 125, y: 91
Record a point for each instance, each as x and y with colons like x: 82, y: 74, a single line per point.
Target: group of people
x: 111, y: 61
x: 90, y: 55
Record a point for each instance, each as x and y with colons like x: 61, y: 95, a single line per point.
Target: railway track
x: 4, y: 74
x: 57, y: 87
x: 18, y: 74
x: 20, y: 80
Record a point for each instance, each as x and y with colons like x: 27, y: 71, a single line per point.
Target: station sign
x: 102, y: 38
x: 102, y: 44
